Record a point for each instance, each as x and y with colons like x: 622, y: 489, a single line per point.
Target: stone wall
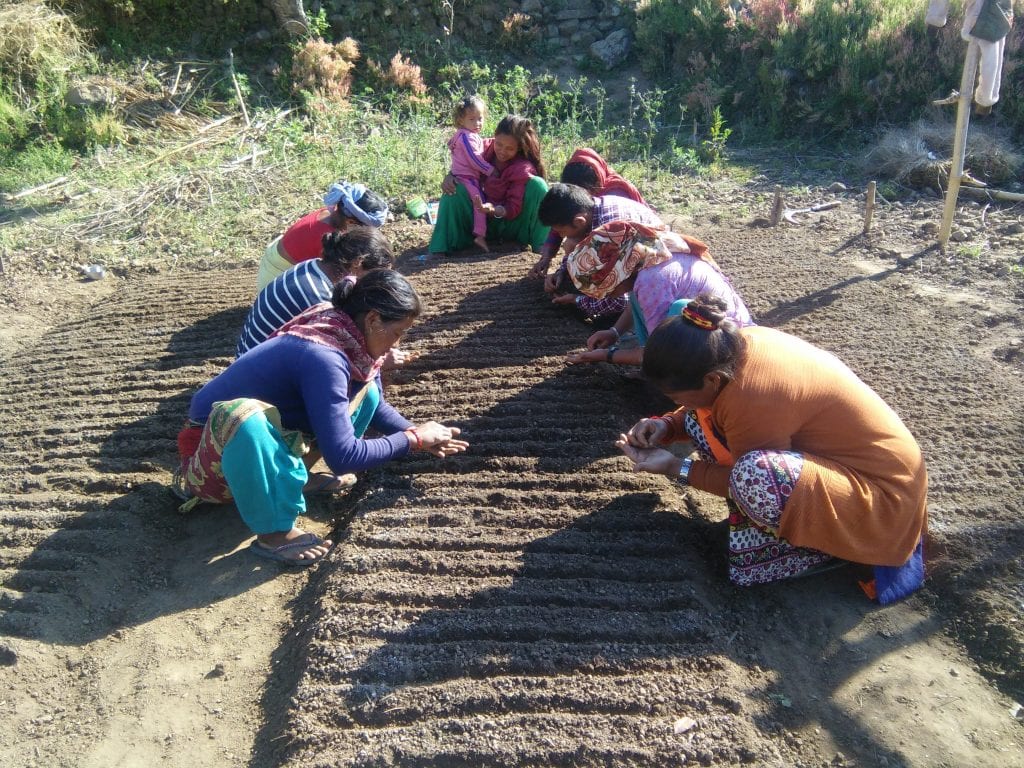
x: 599, y: 28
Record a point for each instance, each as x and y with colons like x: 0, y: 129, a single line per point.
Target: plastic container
x: 416, y: 207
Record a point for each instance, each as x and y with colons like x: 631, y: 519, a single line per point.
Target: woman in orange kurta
x: 814, y: 462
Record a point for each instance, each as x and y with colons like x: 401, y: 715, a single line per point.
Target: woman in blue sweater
x: 311, y: 390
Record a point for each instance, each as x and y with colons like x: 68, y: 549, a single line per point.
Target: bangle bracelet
x: 684, y: 471
x: 611, y: 353
x: 615, y: 330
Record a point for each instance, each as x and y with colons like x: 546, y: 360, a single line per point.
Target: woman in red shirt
x: 345, y: 205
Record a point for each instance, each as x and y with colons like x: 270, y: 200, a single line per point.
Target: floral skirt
x: 243, y: 454
x: 760, y: 484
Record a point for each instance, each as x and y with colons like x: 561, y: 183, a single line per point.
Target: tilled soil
x: 531, y: 602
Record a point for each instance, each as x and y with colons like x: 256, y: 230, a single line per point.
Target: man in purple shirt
x: 572, y: 213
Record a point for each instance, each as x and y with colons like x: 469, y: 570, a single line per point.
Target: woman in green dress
x: 511, y: 194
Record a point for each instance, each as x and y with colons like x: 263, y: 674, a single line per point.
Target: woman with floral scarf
x: 311, y: 390
x: 659, y: 270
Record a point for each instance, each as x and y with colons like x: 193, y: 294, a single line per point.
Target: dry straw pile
x: 919, y: 156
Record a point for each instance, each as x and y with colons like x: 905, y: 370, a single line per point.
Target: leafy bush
x: 400, y: 85
x: 797, y: 67
x: 321, y: 70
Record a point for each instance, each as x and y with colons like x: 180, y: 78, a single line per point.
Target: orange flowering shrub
x: 324, y: 70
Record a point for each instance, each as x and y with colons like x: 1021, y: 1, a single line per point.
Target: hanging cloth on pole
x: 987, y: 23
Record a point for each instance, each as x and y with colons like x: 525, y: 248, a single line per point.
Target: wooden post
x: 238, y: 89
x: 776, y: 214
x: 869, y: 208
x: 963, y: 115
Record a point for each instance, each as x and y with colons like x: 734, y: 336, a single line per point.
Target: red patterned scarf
x: 323, y: 324
x: 608, y: 180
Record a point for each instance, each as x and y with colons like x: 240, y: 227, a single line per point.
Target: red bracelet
x: 419, y: 441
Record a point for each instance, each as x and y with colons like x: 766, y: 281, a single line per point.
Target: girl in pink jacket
x: 468, y: 164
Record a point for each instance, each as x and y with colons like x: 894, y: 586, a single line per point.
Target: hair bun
x: 706, y: 311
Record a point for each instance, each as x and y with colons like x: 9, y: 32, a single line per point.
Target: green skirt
x: 453, y: 230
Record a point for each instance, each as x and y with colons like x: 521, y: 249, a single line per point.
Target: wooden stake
x: 963, y: 115
x: 993, y: 194
x: 869, y: 208
x: 238, y: 89
x: 776, y: 214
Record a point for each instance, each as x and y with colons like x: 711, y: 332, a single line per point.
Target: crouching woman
x: 311, y: 390
x: 814, y: 463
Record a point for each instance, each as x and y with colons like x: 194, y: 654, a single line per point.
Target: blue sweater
x: 310, y: 384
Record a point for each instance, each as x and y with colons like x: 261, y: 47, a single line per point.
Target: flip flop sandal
x: 326, y: 483
x: 280, y: 554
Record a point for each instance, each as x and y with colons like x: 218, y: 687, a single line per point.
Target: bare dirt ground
x: 532, y: 602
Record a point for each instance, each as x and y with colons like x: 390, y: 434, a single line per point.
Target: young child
x: 468, y: 164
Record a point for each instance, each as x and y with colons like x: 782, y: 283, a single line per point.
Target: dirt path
x: 529, y: 603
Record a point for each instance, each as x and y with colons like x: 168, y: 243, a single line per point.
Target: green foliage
x: 33, y: 164
x: 712, y: 149
x: 319, y: 26
x: 796, y: 67
x: 14, y: 122
x: 138, y: 27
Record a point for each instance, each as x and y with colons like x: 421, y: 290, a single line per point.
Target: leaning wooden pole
x: 963, y: 114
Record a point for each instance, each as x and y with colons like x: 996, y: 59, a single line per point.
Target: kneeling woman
x: 312, y: 389
x: 814, y: 463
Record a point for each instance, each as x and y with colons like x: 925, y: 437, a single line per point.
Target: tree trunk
x: 290, y: 16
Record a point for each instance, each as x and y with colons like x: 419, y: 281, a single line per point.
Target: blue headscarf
x: 346, y: 196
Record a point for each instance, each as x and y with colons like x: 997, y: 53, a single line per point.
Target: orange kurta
x: 862, y: 492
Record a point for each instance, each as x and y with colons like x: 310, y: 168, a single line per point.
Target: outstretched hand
x: 602, y: 339
x: 440, y: 440
x: 657, y: 461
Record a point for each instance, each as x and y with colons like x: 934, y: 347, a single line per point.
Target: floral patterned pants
x: 760, y: 484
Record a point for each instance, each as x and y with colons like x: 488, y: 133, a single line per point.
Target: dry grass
x: 919, y: 156
x: 35, y: 41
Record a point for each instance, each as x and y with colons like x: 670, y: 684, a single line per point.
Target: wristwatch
x: 684, y: 471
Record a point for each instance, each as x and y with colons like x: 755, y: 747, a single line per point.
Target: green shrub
x: 801, y: 68
x: 14, y: 122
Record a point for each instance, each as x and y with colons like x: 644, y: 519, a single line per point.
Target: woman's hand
x: 552, y: 281
x: 657, y: 461
x: 648, y: 433
x: 448, y: 185
x: 437, y: 439
x: 602, y: 339
x: 590, y: 356
x: 563, y: 298
x: 396, y: 358
x: 489, y: 209
x: 540, y: 269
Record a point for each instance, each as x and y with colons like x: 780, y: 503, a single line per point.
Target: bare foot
x: 294, y: 545
x: 482, y: 242
x: 325, y: 482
